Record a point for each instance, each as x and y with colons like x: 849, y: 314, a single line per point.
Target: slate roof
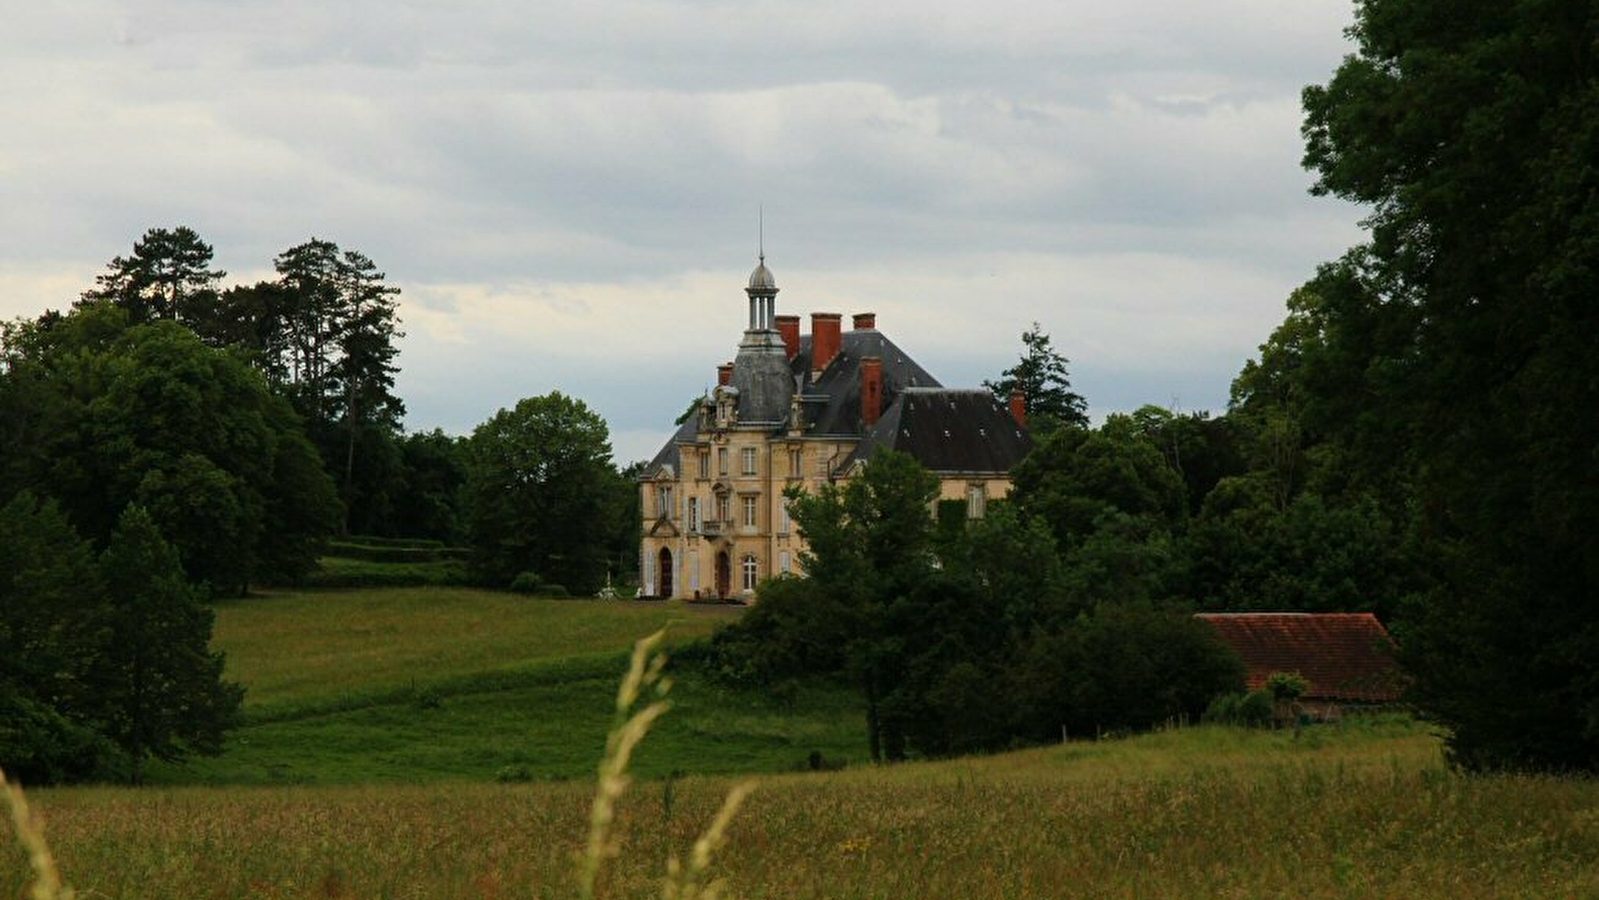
x: 669, y: 455
x: 841, y: 380
x: 1345, y: 656
x: 948, y: 430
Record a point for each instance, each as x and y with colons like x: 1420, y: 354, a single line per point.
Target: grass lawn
x: 430, y: 684
x: 291, y: 647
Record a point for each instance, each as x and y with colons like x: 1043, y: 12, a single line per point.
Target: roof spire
x: 761, y: 230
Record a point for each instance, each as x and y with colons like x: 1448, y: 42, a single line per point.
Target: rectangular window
x: 721, y: 460
x: 782, y: 562
x: 694, y: 514
x: 663, y: 500
x: 722, y: 514
x: 751, y: 504
x: 751, y: 572
x: 749, y: 460
x: 782, y: 518
x: 976, y: 499
x: 796, y: 463
x: 705, y: 464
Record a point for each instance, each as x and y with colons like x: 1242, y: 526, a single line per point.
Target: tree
x: 110, y: 415
x: 52, y: 629
x: 1041, y: 375
x: 168, y: 276
x: 539, y: 493
x: 1076, y: 477
x: 1459, y: 347
x: 433, y: 471
x: 162, y: 692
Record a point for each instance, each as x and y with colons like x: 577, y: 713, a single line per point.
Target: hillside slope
x: 425, y: 684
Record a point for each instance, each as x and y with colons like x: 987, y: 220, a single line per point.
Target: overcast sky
x: 567, y: 192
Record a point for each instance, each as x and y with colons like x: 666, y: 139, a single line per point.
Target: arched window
x: 751, y: 572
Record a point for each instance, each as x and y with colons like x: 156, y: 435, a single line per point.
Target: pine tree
x: 1045, y: 384
x: 161, y: 685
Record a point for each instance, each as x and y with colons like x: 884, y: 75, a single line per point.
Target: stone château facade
x: 793, y: 409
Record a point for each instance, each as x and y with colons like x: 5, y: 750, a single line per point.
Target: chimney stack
x: 1018, y: 406
x: 865, y: 320
x: 871, y: 390
x: 724, y: 374
x: 788, y: 327
x: 825, y: 341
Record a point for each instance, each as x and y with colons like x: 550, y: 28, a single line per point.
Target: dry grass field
x: 1362, y: 809
x: 1358, y: 811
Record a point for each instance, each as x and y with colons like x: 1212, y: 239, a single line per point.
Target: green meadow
x: 427, y: 684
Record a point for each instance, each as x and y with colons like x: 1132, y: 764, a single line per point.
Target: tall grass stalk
x: 30, y: 831
x: 644, y: 676
x: 687, y: 883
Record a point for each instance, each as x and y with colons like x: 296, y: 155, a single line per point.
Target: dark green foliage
x: 1041, y: 375
x: 1314, y: 556
x: 52, y: 617
x: 1075, y: 478
x: 432, y: 474
x: 1200, y: 449
x: 105, y: 662
x: 1455, y: 373
x: 542, y: 494
x: 161, y: 687
x: 360, y: 548
x: 965, y: 639
x: 1125, y: 666
x: 39, y: 745
x: 526, y: 583
x: 1286, y: 686
x: 341, y: 572
x: 149, y: 414
x: 168, y: 276
x: 1254, y: 709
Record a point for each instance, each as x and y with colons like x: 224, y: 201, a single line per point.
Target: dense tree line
x: 1446, y: 373
x: 977, y: 636
x: 167, y: 440
x: 1418, y: 438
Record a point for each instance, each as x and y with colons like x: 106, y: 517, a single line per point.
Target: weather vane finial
x: 761, y: 230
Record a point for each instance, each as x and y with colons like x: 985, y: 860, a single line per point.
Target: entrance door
x: 666, y: 572
x: 724, y: 575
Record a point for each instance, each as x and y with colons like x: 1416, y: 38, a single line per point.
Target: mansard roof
x: 948, y: 431
x: 668, y: 455
x: 840, y: 414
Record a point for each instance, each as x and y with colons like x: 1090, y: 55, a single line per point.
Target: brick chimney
x: 1018, y: 406
x: 825, y: 341
x: 871, y: 390
x: 724, y: 373
x: 865, y: 320
x: 788, y: 327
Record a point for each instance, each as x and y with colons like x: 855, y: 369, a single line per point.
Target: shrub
x: 513, y: 774
x: 526, y: 583
x: 1251, y: 709
x: 1287, y: 686
x: 40, y: 746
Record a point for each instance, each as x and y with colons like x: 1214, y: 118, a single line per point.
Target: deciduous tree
x: 1460, y: 348
x: 540, y: 493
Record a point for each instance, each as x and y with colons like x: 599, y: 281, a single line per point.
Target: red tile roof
x: 1346, y: 656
